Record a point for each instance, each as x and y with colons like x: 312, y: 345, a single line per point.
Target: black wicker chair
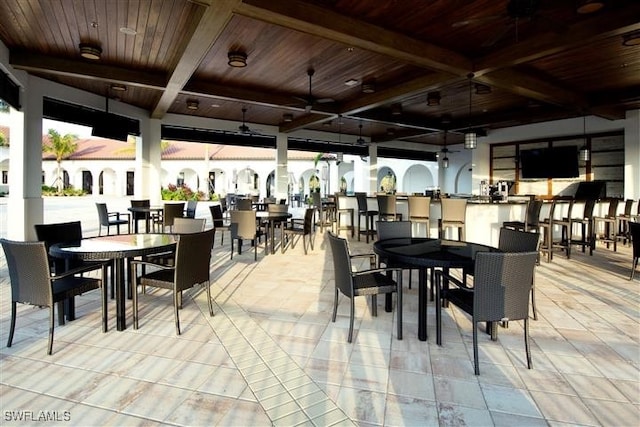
x: 219, y: 223
x: 367, y: 282
x: 110, y: 219
x: 390, y: 230
x: 191, y: 268
x: 502, y: 285
x: 32, y: 283
x: 63, y: 232
x: 302, y: 228
x: 244, y: 227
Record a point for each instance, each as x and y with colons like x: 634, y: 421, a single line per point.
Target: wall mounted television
x: 554, y: 162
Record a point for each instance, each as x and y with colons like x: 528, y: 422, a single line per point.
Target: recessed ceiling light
x: 351, y: 82
x: 433, y: 99
x: 90, y: 51
x: 215, y: 105
x: 192, y: 104
x: 287, y: 117
x: 631, y: 39
x: 586, y: 7
x: 369, y: 86
x: 118, y: 87
x: 237, y: 59
x: 128, y: 31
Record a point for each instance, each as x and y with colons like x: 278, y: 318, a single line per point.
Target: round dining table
x: 116, y: 248
x: 424, y: 254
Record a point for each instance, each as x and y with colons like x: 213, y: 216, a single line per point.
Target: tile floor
x: 272, y: 356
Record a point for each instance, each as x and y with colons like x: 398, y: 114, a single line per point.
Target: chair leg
x: 526, y: 343
x: 374, y: 305
x: 103, y: 295
x: 12, y: 327
x: 176, y: 304
x: 208, y: 285
x: 533, y: 299
x: 634, y: 265
x: 335, y: 306
x: 51, y: 326
x: 135, y: 300
x: 399, y: 307
x: 351, y: 316
x: 476, y: 365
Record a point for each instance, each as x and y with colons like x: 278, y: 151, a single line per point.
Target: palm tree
x: 61, y: 147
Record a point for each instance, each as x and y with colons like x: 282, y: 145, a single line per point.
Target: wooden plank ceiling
x: 541, y: 60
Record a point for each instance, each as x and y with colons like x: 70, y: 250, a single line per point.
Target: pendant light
x: 584, y: 153
x: 470, y: 136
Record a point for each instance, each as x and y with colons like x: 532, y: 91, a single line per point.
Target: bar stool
x: 339, y: 211
x: 531, y: 218
x: 586, y: 226
x: 548, y: 225
x: 454, y: 212
x: 419, y: 210
x: 609, y: 223
x: 387, y: 209
x: 363, y: 210
x: 623, y: 222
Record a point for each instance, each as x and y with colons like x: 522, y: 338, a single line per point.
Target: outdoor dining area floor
x: 272, y: 356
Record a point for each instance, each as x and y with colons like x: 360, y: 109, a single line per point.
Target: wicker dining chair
x: 303, y: 228
x: 244, y: 227
x: 391, y: 230
x: 188, y: 225
x: 111, y: 219
x: 219, y: 222
x: 63, y: 232
x: 170, y: 212
x: 366, y: 282
x: 32, y: 283
x: 191, y: 268
x: 500, y: 292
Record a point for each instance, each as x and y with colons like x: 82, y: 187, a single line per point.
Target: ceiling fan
x: 243, y: 128
x: 310, y: 101
x: 444, y: 149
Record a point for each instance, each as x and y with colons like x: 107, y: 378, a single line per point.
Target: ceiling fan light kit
x: 237, y: 59
x: 631, y: 39
x: 369, y: 86
x: 586, y: 7
x: 90, y: 51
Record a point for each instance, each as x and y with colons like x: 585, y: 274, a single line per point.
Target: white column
x: 373, y: 170
x: 148, y: 156
x: 25, y: 206
x: 632, y: 155
x: 282, y: 176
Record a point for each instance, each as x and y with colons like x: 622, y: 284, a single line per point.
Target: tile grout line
x: 253, y: 364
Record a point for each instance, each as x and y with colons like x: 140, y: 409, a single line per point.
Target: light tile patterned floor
x: 271, y: 355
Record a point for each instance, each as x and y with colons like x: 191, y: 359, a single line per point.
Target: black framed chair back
x: 219, y: 223
x: 367, y: 282
x: 32, y: 282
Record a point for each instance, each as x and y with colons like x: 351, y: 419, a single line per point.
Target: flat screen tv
x: 111, y: 126
x: 556, y: 162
